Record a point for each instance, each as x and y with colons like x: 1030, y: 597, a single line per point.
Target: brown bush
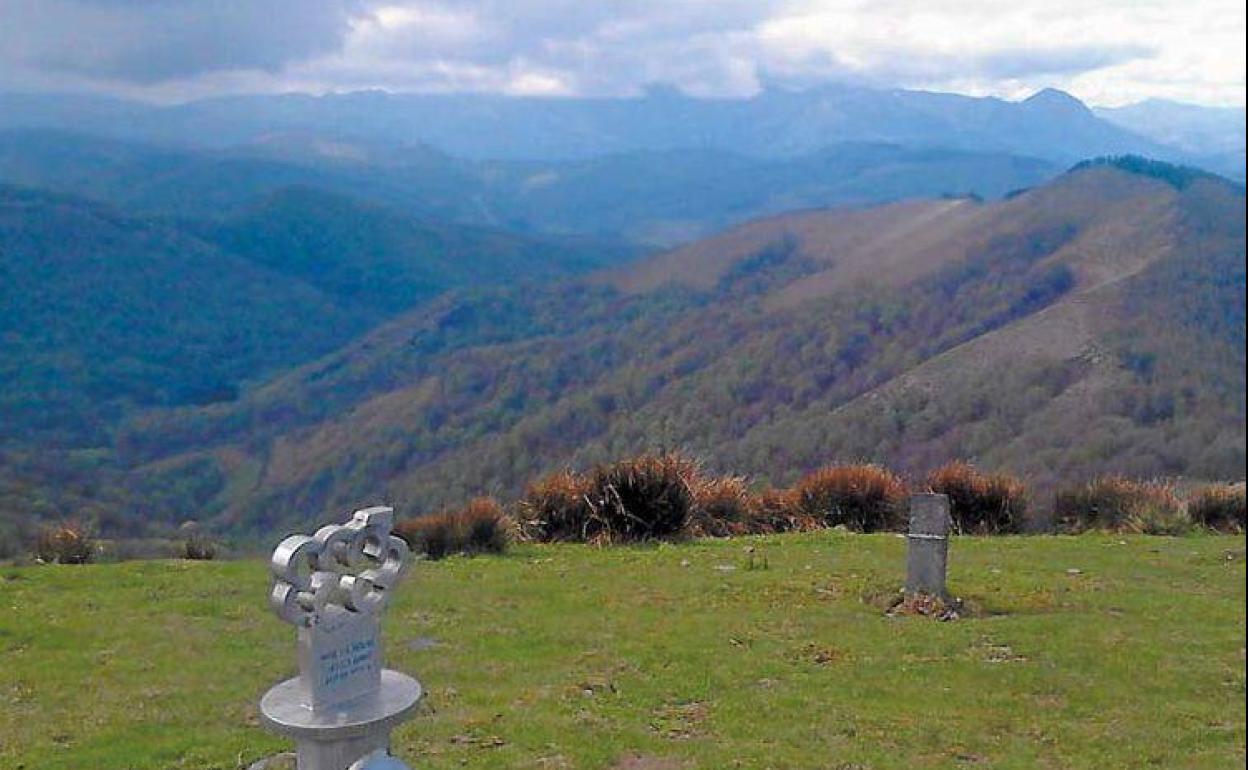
x: 779, y: 511
x: 864, y: 498
x: 1119, y: 504
x: 723, y: 507
x: 1219, y: 507
x: 555, y: 508
x: 479, y: 527
x: 434, y: 534
x: 484, y: 526
x: 197, y: 546
x: 980, y: 503
x: 642, y: 498
x: 70, y: 542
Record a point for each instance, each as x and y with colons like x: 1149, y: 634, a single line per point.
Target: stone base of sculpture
x: 353, y: 736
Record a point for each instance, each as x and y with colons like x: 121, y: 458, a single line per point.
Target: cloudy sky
x: 1107, y: 52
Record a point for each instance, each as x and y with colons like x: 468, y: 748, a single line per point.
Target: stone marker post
x: 332, y: 587
x: 927, y: 553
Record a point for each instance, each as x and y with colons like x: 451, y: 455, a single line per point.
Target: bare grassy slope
x: 1092, y: 324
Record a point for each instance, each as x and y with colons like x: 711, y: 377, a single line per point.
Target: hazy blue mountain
x: 213, y: 183
x: 775, y: 123
x: 651, y: 197
x: 664, y: 198
x: 1215, y: 134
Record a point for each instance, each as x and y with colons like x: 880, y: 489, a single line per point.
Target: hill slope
x: 1092, y: 324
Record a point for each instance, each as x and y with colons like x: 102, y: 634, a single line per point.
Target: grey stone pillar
x: 927, y: 552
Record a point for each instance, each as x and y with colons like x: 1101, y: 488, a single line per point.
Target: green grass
x: 567, y: 656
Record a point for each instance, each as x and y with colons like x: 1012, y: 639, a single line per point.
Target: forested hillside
x: 1092, y: 324
x: 105, y: 314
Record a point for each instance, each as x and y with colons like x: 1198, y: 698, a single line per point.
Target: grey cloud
x: 1056, y: 61
x: 595, y: 47
x: 147, y: 41
x: 906, y: 66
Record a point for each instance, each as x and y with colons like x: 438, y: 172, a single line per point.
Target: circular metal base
x: 284, y: 710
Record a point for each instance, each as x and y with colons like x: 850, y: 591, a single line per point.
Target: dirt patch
x: 927, y: 606
x: 893, y: 603
x: 640, y: 762
x: 990, y: 651
x: 680, y: 721
x: 820, y: 654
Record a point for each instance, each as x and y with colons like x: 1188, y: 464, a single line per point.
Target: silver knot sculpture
x: 352, y: 566
x: 333, y: 586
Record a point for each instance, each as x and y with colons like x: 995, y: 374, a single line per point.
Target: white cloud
x: 1104, y: 51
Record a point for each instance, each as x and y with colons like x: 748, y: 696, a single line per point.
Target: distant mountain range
x: 1197, y: 130
x: 648, y: 197
x: 1051, y: 125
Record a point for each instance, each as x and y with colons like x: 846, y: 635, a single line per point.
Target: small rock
x: 1074, y: 571
x: 724, y: 568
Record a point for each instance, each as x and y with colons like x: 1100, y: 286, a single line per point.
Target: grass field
x: 1091, y: 651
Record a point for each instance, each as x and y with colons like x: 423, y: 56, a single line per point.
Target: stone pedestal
x: 927, y: 553
x: 353, y: 736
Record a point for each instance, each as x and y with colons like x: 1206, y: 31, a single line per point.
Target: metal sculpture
x: 333, y: 587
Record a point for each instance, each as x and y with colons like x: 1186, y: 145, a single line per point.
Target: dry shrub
x: 555, y: 508
x: 779, y: 511
x: 479, y: 527
x: 434, y: 535
x: 484, y: 527
x: 723, y: 507
x: 1119, y: 504
x: 864, y: 498
x: 980, y: 503
x: 1219, y: 507
x: 70, y: 542
x: 642, y: 498
x: 197, y: 546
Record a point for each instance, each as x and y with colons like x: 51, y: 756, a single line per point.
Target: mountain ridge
x: 1058, y: 303
x: 771, y: 124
